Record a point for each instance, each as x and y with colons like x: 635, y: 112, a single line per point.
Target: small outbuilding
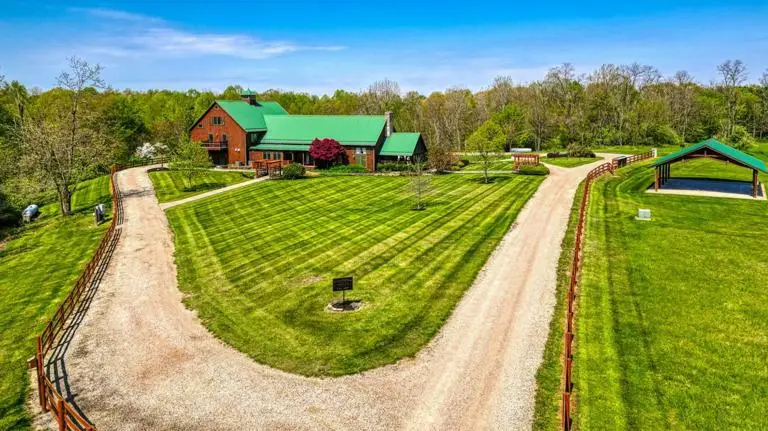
x: 712, y: 149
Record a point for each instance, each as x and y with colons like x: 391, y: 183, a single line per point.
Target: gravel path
x: 142, y: 361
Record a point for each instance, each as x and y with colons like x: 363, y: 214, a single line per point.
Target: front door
x: 360, y: 153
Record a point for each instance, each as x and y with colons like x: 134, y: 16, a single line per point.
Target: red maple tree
x: 326, y: 150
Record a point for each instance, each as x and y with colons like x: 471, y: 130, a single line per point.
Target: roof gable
x: 400, y: 144
x: 249, y: 117
x: 719, y: 147
x: 362, y: 130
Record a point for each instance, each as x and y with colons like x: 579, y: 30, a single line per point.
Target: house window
x: 210, y: 137
x: 218, y: 121
x: 224, y: 137
x: 199, y: 125
x: 273, y: 155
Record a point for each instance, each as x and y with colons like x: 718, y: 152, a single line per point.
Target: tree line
x: 51, y: 140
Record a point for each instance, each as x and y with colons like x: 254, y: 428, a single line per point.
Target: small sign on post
x: 342, y: 285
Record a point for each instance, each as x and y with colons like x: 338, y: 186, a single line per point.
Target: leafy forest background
x: 55, y: 138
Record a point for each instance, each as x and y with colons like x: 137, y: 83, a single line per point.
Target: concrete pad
x: 709, y: 187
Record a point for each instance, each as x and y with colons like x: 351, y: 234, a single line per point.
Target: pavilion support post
x: 754, y: 183
x: 657, y: 178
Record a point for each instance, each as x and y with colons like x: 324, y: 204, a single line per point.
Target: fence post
x: 40, y: 384
x: 62, y: 416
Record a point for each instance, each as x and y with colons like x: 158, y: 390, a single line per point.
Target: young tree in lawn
x: 419, y: 182
x: 62, y: 141
x: 327, y: 151
x: 191, y: 158
x: 488, y: 139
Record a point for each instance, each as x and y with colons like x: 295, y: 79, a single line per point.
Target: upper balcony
x: 215, y: 146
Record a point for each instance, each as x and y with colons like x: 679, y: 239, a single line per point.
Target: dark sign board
x: 342, y: 284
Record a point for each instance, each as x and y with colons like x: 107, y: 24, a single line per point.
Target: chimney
x: 390, y: 127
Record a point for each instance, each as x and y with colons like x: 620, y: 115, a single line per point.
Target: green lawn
x: 570, y: 162
x: 171, y: 185
x: 38, y: 267
x: 257, y: 263
x: 673, y: 313
x: 498, y: 163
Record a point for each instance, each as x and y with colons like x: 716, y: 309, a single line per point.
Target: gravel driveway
x: 142, y: 361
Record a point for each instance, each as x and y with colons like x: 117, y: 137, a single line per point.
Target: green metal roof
x: 272, y: 108
x: 250, y: 117
x: 400, y: 144
x: 718, y: 147
x: 280, y: 147
x: 359, y: 130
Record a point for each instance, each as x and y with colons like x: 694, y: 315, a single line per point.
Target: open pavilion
x: 711, y: 149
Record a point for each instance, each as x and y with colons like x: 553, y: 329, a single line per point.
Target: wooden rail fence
x: 575, y: 272
x: 51, y: 400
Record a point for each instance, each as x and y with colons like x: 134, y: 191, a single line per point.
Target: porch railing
x: 221, y: 145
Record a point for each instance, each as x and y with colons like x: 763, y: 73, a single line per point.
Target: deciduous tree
x: 191, y: 158
x: 62, y: 142
x: 486, y: 141
x: 734, y: 73
x: 327, y: 151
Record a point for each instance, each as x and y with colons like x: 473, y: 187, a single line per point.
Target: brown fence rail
x: 575, y: 272
x: 51, y: 400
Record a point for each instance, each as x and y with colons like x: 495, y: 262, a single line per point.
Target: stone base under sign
x: 339, y: 306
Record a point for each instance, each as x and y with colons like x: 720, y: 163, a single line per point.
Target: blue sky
x: 319, y: 46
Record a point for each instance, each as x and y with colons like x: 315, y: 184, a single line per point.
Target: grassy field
x: 257, y: 263
x: 570, y: 162
x: 498, y: 163
x: 38, y: 266
x: 672, y: 317
x: 171, y: 185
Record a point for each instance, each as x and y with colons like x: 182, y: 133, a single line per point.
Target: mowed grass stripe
x: 672, y: 313
x: 171, y: 185
x: 38, y: 267
x: 257, y: 263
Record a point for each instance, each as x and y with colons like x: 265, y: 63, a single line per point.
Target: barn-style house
x: 248, y: 131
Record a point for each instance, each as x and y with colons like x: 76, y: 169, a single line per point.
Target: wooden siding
x: 236, y: 137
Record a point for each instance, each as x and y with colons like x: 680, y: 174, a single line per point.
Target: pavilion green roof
x: 350, y: 130
x: 718, y: 147
x: 400, y: 144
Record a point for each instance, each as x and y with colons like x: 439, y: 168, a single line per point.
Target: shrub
x: 534, y: 170
x: 579, y: 150
x: 344, y: 169
x: 658, y: 135
x: 556, y: 155
x: 327, y: 151
x: 740, y: 138
x: 294, y: 171
x: 396, y: 167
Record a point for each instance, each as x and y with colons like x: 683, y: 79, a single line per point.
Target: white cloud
x: 116, y: 15
x: 145, y: 36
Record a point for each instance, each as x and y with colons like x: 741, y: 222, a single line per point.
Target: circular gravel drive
x: 142, y: 361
